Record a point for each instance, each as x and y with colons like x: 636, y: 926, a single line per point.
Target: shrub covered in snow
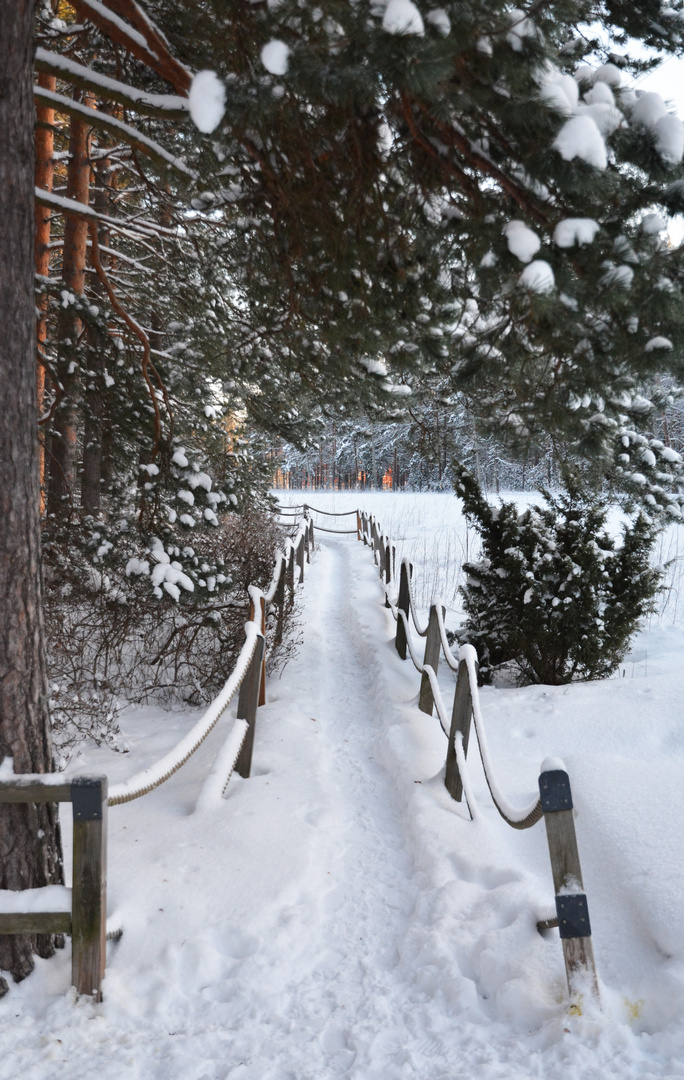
x: 553, y: 594
x: 111, y: 641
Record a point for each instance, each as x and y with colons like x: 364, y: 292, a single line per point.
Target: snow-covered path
x: 337, y: 915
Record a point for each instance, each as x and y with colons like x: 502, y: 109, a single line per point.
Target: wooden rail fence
x: 90, y: 797
x: 554, y: 803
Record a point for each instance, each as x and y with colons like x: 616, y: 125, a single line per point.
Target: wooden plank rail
x: 88, y: 917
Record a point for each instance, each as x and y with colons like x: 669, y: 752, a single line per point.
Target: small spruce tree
x: 553, y: 593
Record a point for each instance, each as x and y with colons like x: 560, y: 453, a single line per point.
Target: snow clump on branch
x: 275, y: 56
x: 403, y: 17
x: 207, y: 101
x: 522, y: 241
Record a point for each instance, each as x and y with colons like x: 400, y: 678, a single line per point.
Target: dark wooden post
x: 306, y: 542
x: 461, y: 716
x: 300, y: 558
x: 280, y: 602
x: 247, y: 707
x: 291, y: 574
x: 571, y: 900
x: 252, y: 616
x: 403, y: 603
x: 388, y: 573
x: 89, y: 895
x: 433, y: 647
x: 358, y: 525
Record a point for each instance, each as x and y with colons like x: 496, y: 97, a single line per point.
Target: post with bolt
x: 571, y: 900
x: 89, y: 891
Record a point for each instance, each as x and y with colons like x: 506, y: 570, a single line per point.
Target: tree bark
x: 45, y: 170
x: 64, y: 458
x: 30, y: 853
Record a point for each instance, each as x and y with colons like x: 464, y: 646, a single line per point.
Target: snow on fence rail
x: 554, y: 803
x: 85, y: 916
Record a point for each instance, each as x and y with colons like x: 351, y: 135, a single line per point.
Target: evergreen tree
x: 553, y: 595
x: 457, y: 191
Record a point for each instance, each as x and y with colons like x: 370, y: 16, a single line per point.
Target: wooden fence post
x: 403, y: 604
x: 291, y: 574
x: 252, y: 616
x: 306, y: 542
x: 571, y: 900
x: 247, y: 707
x: 358, y: 525
x: 388, y: 573
x: 280, y: 603
x: 89, y: 892
x: 300, y: 558
x: 433, y: 648
x: 461, y: 716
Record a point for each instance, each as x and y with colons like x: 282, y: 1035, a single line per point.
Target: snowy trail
x: 349, y: 988
x: 336, y: 915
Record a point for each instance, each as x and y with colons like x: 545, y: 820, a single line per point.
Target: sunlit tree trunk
x: 64, y: 456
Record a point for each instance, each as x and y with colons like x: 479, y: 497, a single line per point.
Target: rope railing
x: 87, y: 921
x: 554, y: 802
x: 147, y: 780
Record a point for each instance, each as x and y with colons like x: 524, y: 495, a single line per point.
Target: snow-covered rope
x: 269, y: 596
x: 461, y: 761
x: 412, y: 603
x: 517, y: 818
x: 221, y: 771
x: 418, y: 664
x: 437, y: 698
x: 149, y: 779
x: 392, y: 604
x: 452, y: 661
x: 339, y: 532
x: 329, y: 513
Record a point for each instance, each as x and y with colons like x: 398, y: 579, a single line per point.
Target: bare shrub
x: 112, y: 641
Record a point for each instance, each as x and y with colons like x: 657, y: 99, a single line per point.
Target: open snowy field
x: 338, y: 915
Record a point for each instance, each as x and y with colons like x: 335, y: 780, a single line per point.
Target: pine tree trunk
x: 45, y: 170
x: 30, y: 854
x: 93, y: 428
x: 64, y: 458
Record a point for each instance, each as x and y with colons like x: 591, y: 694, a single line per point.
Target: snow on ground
x: 338, y: 915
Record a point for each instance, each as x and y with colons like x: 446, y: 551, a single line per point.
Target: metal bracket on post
x: 89, y: 892
x: 571, y: 902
